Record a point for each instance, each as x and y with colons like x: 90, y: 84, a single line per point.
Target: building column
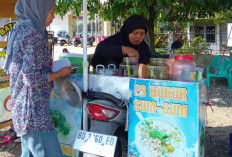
x: 96, y: 21
x: 70, y: 26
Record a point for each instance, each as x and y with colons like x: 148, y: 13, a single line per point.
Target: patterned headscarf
x: 31, y: 12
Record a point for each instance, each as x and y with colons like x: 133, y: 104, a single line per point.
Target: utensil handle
x: 140, y: 116
x: 141, y: 119
x: 100, y: 65
x: 112, y: 65
x: 128, y: 67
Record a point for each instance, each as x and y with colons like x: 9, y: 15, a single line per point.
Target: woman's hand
x: 65, y: 71
x: 61, y: 73
x: 130, y: 52
x: 142, y: 71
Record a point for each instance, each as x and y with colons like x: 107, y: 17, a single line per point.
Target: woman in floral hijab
x: 28, y: 63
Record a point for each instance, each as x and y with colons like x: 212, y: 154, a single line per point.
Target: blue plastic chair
x: 224, y: 71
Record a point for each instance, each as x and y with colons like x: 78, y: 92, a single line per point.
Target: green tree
x: 197, y: 46
x: 153, y: 10
x: 223, y: 16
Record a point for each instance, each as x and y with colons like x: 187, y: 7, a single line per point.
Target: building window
x: 199, y: 31
x: 210, y: 34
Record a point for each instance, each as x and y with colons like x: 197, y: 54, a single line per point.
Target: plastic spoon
x: 141, y: 119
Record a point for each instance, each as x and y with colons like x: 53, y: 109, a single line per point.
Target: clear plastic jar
x: 158, y: 69
x: 131, y: 60
x: 184, y: 69
x: 129, y: 67
x: 128, y: 70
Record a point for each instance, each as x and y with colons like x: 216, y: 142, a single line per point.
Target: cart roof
x: 7, y: 8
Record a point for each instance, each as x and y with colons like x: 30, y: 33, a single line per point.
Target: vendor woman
x: 129, y: 42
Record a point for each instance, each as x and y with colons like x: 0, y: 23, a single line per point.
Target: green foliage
x: 179, y: 31
x: 197, y: 46
x: 153, y: 10
x: 223, y: 16
x: 160, y: 39
x: 160, y: 10
x: 75, y: 6
x: 161, y: 50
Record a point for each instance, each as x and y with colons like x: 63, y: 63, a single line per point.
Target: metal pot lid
x: 71, y: 93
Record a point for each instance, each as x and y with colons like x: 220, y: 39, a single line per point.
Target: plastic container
x: 131, y: 60
x: 199, y: 72
x: 158, y: 69
x: 128, y: 70
x: 129, y: 67
x: 184, y: 69
x: 75, y: 59
x: 155, y: 61
x: 169, y: 63
x: 110, y: 71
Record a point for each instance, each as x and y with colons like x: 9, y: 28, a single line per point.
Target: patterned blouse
x: 29, y: 75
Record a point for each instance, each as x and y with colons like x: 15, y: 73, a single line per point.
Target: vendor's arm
x: 142, y: 71
x: 130, y: 52
x: 61, y: 73
x: 112, y: 49
x: 145, y: 55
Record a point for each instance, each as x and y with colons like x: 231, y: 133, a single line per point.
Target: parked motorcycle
x: 76, y: 41
x: 63, y: 41
x: 108, y: 115
x: 64, y: 38
x: 89, y: 41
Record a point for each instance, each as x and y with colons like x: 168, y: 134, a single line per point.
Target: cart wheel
x: 7, y: 103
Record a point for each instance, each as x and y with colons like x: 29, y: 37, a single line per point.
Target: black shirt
x: 109, y: 51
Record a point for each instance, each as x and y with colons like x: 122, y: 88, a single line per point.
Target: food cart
x: 172, y: 112
x: 168, y: 113
x: 6, y: 12
x: 166, y: 118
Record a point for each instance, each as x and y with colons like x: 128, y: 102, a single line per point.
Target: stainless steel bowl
x: 71, y: 93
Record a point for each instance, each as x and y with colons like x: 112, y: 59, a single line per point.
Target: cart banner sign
x: 166, y: 118
x: 5, y: 104
x: 67, y: 119
x: 2, y: 54
x: 6, y: 28
x: 5, y: 98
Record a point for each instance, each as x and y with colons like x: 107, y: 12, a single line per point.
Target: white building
x: 62, y: 24
x: 72, y: 25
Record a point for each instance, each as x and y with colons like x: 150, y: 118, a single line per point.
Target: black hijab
x: 108, y: 51
x: 132, y: 23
